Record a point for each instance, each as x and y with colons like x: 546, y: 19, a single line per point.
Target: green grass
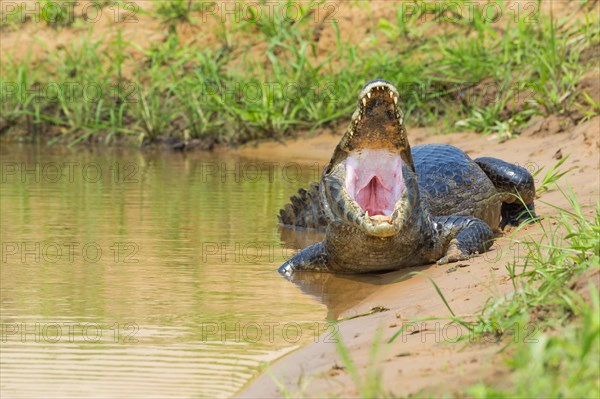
x: 12, y: 16
x: 229, y: 93
x: 550, y: 334
x: 556, y: 364
x: 569, y: 245
x: 552, y: 175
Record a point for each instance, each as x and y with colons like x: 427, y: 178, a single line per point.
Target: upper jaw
x: 378, y: 120
x: 378, y: 85
x: 380, y: 91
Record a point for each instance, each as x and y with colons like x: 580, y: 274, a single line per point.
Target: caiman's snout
x: 378, y: 119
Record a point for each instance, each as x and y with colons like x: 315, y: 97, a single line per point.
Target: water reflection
x: 341, y: 293
x: 141, y: 274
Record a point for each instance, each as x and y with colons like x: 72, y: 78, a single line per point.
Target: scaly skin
x: 446, y: 217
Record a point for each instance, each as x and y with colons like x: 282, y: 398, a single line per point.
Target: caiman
x: 386, y: 206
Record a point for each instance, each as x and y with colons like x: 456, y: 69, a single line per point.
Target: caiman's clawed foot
x: 313, y: 258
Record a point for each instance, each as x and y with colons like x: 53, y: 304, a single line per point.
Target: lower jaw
x: 382, y: 229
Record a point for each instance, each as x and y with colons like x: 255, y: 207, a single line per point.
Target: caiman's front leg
x: 313, y: 258
x: 462, y: 237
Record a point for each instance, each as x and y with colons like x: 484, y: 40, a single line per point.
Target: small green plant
x: 591, y: 110
x: 554, y: 70
x: 57, y: 14
x: 370, y: 385
x: 173, y: 11
x: 405, y: 24
x: 552, y: 175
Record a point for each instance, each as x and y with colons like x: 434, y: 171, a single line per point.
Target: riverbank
x: 195, y: 75
x: 419, y: 361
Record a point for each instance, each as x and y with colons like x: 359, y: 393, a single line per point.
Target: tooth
x: 369, y: 94
x: 366, y: 214
x: 391, y: 95
x: 364, y: 101
x: 396, y: 100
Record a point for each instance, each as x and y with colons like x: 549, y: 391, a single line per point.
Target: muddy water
x: 135, y: 274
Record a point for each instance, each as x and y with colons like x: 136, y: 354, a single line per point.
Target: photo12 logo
x: 256, y: 171
x: 68, y: 172
x: 71, y: 332
x: 67, y: 252
x: 268, y: 331
x: 468, y: 11
x: 252, y: 252
x: 66, y: 12
x: 452, y: 332
x: 267, y: 12
x: 89, y: 92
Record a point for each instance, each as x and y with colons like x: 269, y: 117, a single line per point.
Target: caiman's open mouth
x: 369, y: 181
x: 374, y: 164
x: 374, y: 180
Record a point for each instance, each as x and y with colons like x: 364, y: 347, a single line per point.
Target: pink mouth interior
x: 374, y: 180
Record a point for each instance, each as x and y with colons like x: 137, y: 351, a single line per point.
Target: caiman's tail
x: 305, y: 210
